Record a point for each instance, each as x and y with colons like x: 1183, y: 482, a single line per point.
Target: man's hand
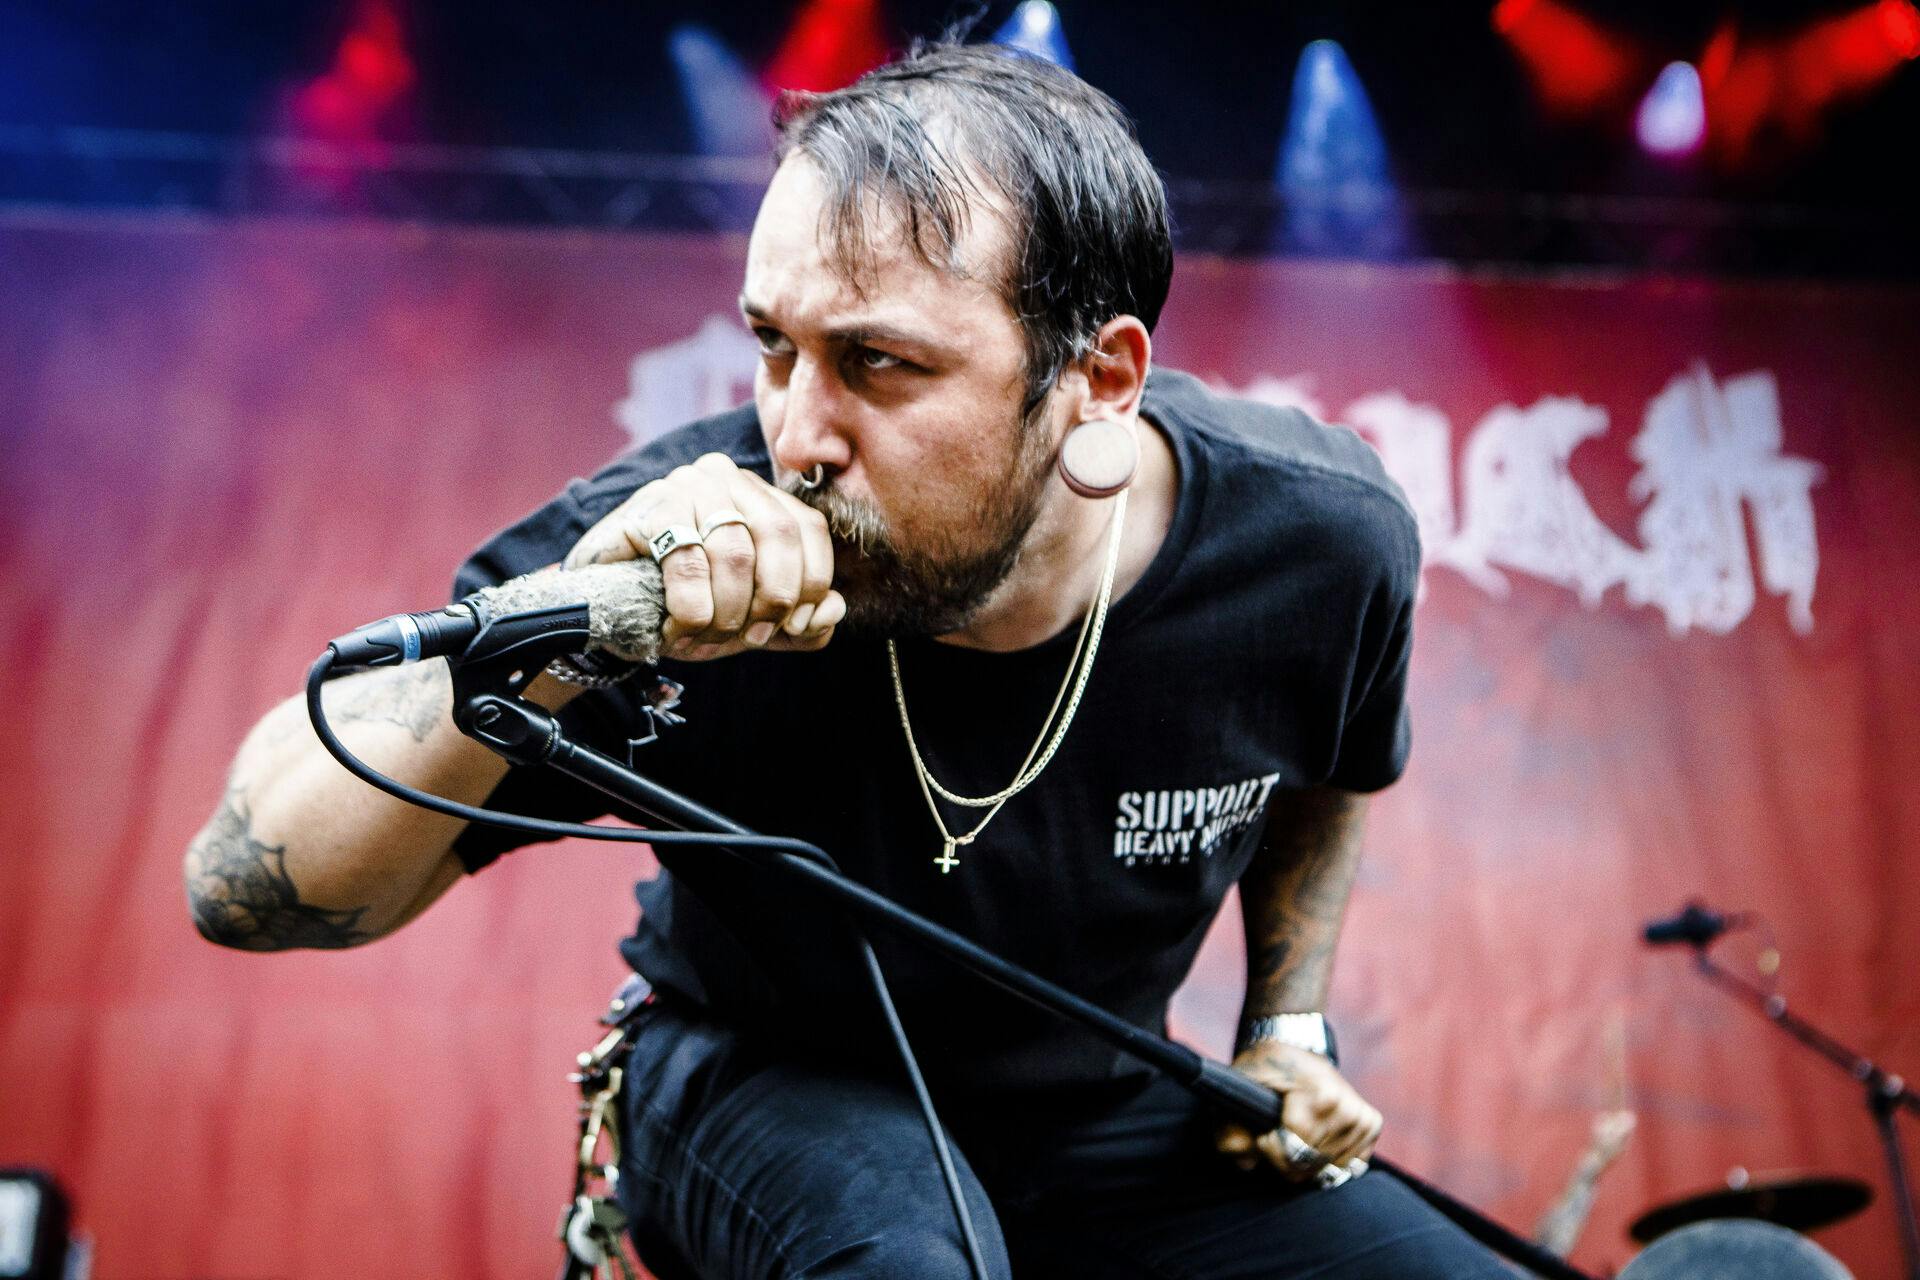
x: 764, y: 584
x: 1317, y: 1105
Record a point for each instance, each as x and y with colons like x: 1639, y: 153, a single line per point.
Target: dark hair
x: 923, y: 134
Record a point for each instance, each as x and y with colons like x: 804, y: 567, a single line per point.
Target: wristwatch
x: 1309, y: 1031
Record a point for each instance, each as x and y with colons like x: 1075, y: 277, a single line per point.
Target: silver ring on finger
x: 1299, y: 1153
x: 674, y: 537
x: 1334, y: 1175
x: 718, y: 519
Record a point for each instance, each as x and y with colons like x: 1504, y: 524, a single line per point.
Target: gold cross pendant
x: 946, y: 861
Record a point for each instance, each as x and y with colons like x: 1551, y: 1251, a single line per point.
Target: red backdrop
x: 1668, y: 646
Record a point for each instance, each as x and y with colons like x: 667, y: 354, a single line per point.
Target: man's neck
x: 1058, y: 575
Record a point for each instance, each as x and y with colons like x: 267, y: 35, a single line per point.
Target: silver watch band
x: 1300, y: 1030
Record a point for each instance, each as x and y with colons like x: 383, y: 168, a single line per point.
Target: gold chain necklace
x: 1052, y: 733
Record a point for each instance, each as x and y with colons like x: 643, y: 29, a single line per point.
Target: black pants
x: 737, y: 1164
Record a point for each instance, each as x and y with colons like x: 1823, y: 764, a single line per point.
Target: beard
x: 893, y: 590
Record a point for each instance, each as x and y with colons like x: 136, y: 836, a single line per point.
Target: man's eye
x: 772, y: 342
x: 874, y: 360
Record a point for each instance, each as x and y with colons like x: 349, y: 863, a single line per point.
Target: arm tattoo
x: 1293, y: 896
x: 243, y: 897
x: 416, y: 698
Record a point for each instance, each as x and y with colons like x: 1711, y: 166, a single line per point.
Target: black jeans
x: 738, y: 1164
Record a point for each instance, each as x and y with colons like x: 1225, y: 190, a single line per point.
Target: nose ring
x: 814, y: 478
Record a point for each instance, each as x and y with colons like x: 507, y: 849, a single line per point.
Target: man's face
x: 906, y: 387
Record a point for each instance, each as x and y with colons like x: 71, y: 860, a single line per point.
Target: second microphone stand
x: 1886, y: 1094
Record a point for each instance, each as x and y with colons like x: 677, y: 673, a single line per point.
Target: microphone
x: 1696, y: 925
x: 625, y: 609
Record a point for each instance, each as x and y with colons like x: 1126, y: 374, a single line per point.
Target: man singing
x: 1045, y: 647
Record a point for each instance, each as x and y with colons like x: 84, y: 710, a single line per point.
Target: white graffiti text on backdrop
x: 1709, y: 454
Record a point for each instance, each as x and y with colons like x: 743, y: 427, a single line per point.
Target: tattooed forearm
x: 414, y: 697
x: 1293, y: 897
x: 243, y: 897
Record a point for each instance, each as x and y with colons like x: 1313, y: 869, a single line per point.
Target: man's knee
x: 922, y: 1250
x: 785, y: 1171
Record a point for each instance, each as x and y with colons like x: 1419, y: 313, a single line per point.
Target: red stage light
x: 1784, y: 86
x: 1901, y: 23
x: 1716, y: 60
x: 832, y: 43
x: 1577, y: 67
x: 1508, y: 14
x: 373, y: 58
x: 371, y: 71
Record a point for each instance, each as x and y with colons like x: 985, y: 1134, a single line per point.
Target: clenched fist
x: 763, y: 579
x: 1317, y: 1105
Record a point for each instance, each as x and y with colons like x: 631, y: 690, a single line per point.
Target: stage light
x: 1775, y: 92
x: 1332, y: 169
x: 1900, y: 24
x: 1035, y: 29
x: 728, y: 110
x: 370, y: 74
x: 1577, y: 67
x: 831, y: 44
x: 1673, y: 116
x: 1851, y: 53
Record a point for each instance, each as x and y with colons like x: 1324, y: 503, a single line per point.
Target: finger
x: 1273, y: 1146
x: 728, y: 554
x: 684, y: 574
x: 1232, y: 1140
x: 778, y: 569
x: 1345, y: 1134
x: 1353, y: 1132
x: 1371, y: 1137
x: 816, y: 560
x: 1306, y: 1112
x: 828, y: 616
x: 816, y: 546
x: 1323, y: 1121
x: 614, y: 536
x: 1237, y: 1145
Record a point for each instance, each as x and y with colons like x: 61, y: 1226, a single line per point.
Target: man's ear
x: 1115, y: 371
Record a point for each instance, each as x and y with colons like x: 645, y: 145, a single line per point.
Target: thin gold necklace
x: 1052, y: 733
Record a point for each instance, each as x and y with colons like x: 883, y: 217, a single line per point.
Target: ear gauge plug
x: 1097, y: 459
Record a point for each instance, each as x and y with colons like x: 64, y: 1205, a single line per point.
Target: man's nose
x: 811, y: 429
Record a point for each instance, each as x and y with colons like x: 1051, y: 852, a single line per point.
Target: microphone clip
x: 507, y: 652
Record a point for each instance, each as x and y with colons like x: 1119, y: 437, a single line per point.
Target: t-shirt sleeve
x: 1377, y: 736
x: 540, y: 539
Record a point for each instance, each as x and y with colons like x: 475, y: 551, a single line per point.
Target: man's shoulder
x: 735, y: 433
x: 1264, y: 435
x: 1280, y: 470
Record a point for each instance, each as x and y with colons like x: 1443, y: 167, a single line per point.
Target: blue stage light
x: 1672, y: 120
x: 729, y: 112
x: 1034, y: 29
x: 1332, y: 172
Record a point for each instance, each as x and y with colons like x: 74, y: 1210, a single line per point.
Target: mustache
x: 852, y: 521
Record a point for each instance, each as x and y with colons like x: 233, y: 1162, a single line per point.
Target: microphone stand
x: 486, y: 709
x: 1886, y: 1093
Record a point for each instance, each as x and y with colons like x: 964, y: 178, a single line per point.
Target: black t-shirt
x: 1264, y: 648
